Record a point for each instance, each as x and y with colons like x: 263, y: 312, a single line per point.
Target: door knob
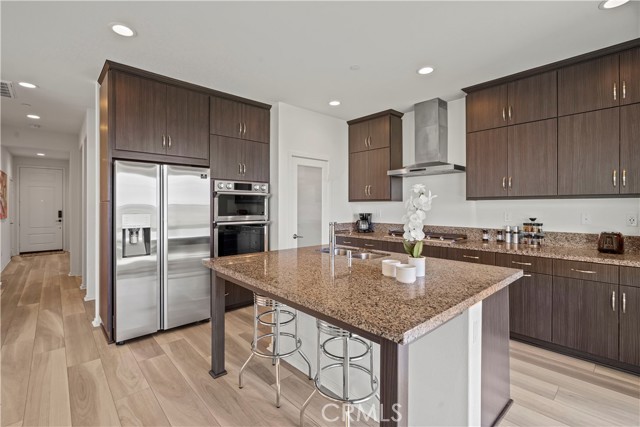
x: 295, y: 236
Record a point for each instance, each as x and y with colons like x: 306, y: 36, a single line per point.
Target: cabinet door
x: 630, y: 325
x: 187, y: 123
x: 379, y: 181
x: 533, y: 159
x: 255, y: 161
x: 473, y: 256
x: 588, y: 153
x: 256, y: 120
x: 487, y: 108
x: 588, y: 86
x: 140, y: 108
x: 226, y: 117
x: 379, y: 132
x: 630, y: 149
x: 533, y: 98
x: 358, y: 176
x: 630, y: 76
x: 487, y: 163
x: 530, y: 302
x: 358, y: 137
x: 226, y: 157
x: 585, y: 316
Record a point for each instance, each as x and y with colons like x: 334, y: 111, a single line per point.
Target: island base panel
x: 217, y: 326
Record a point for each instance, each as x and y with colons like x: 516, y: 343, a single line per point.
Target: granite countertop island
x: 433, y: 332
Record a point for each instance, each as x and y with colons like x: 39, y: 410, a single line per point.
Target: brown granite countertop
x: 629, y: 259
x: 361, y: 296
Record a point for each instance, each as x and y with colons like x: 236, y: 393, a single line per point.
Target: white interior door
x: 40, y: 209
x: 310, y: 208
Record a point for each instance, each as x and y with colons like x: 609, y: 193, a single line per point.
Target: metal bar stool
x: 345, y: 361
x: 277, y: 311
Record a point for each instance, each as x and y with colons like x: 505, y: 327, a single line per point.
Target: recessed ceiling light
x: 40, y: 154
x: 27, y: 85
x: 334, y: 103
x: 122, y: 30
x: 610, y: 4
x: 425, y: 70
x: 33, y: 116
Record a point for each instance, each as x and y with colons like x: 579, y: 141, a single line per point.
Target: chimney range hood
x: 431, y: 143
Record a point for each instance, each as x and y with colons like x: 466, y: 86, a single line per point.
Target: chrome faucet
x: 332, y: 238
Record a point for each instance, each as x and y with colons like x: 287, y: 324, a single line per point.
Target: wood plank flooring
x: 58, y: 370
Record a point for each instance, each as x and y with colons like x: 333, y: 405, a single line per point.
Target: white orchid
x: 417, y: 206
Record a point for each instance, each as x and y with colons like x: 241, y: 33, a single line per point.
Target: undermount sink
x: 355, y: 253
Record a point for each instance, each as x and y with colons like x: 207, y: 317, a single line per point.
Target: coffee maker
x: 364, y: 224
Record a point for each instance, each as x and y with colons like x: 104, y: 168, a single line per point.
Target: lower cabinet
x: 530, y: 302
x: 361, y: 243
x: 630, y: 325
x: 585, y: 316
x: 470, y: 255
x: 236, y: 296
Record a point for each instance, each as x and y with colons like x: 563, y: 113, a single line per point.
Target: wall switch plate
x: 585, y: 218
x: 632, y: 220
x: 507, y: 216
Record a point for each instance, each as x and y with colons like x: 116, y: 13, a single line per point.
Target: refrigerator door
x: 137, y: 266
x: 186, y: 282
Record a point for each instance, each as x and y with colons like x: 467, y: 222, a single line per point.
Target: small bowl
x: 405, y: 273
x: 389, y: 267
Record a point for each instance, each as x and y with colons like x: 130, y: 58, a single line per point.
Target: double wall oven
x: 240, y: 217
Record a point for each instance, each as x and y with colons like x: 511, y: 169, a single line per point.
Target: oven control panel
x: 241, y: 187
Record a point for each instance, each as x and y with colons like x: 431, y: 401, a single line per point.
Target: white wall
x: 6, y: 165
x: 451, y: 208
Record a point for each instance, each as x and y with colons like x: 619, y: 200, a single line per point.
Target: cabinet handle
x: 369, y: 246
x: 164, y: 141
x: 521, y: 263
x: 509, y: 182
x: 526, y: 275
x: 624, y: 89
x: 365, y: 190
x: 470, y: 257
x: 240, y: 128
x: 369, y: 141
x: 504, y: 115
x: 615, y: 91
x: 504, y: 182
x: 346, y: 242
x: 365, y: 141
x: 624, y: 177
x: 583, y: 271
x: 510, y: 109
x: 624, y: 303
x: 244, y: 169
x: 239, y: 168
x: 615, y: 177
x: 244, y: 128
x: 169, y: 141
x: 613, y: 300
x: 368, y: 190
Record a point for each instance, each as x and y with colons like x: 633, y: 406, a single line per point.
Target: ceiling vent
x: 6, y: 89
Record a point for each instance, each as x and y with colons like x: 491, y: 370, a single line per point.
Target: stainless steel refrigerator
x: 162, y: 233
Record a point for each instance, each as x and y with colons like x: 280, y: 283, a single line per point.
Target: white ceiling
x: 32, y: 152
x: 295, y: 52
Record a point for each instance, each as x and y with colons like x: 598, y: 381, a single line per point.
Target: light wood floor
x: 58, y: 370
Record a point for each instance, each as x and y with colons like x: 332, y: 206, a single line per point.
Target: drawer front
x: 630, y: 276
x: 470, y: 255
x: 586, y: 271
x: 435, y: 251
x: 348, y: 241
x: 361, y: 243
x: 395, y: 247
x: 530, y: 264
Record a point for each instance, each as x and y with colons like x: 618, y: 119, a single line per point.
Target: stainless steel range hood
x: 431, y: 142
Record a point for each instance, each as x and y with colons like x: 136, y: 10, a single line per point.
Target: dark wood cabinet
x: 533, y: 159
x: 237, y: 159
x: 630, y: 325
x: 589, y: 153
x: 630, y: 276
x: 585, y: 316
x: 236, y: 296
x: 586, y: 271
x: 487, y: 158
x: 630, y: 76
x: 530, y: 302
x: 630, y: 148
x: 533, y: 98
x: 375, y: 146
x: 187, y: 123
x: 470, y: 255
x: 530, y: 264
x: 589, y: 86
x: 487, y: 108
x: 239, y: 120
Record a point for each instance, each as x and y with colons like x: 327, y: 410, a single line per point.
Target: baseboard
x: 503, y: 413
x: 96, y: 322
x: 89, y: 298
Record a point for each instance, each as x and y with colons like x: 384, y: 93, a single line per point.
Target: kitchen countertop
x: 360, y: 295
x: 630, y: 259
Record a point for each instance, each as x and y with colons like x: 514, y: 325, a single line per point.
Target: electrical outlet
x: 632, y: 220
x: 586, y: 218
x: 507, y: 216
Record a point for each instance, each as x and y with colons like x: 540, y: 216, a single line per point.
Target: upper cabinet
x: 375, y: 146
x: 571, y: 129
x: 239, y: 120
x: 238, y: 159
x: 155, y: 118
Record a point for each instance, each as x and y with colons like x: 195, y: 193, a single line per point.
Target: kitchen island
x: 438, y: 320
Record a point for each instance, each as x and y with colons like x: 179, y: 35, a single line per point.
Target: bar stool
x: 277, y: 311
x: 344, y: 361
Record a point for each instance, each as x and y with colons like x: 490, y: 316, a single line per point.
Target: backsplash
x: 552, y: 238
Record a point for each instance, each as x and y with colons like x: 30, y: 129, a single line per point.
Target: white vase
x: 419, y: 263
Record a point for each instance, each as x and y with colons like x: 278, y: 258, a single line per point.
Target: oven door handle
x: 216, y: 224
x: 240, y: 193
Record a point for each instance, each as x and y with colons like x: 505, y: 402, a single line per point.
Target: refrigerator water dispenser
x: 136, y: 235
